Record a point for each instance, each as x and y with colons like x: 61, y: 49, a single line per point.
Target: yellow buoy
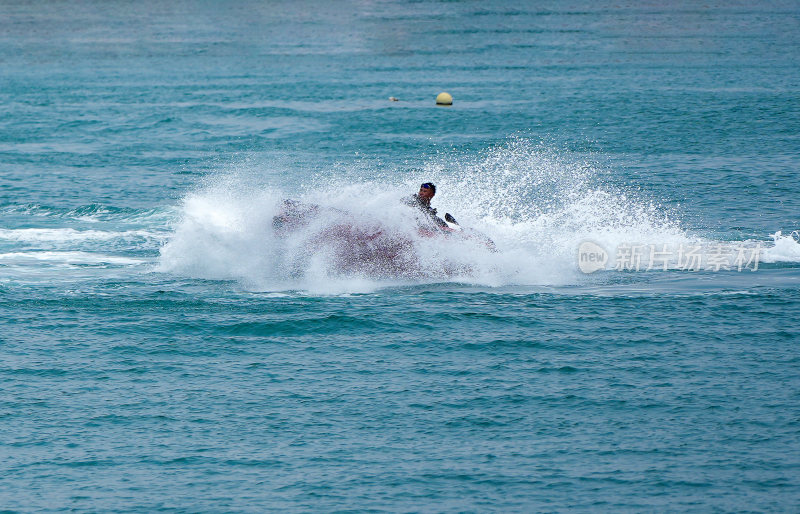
x: 444, y: 99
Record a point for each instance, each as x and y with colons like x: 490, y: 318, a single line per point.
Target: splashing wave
x: 537, y: 205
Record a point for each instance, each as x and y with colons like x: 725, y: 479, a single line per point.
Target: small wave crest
x: 784, y: 249
x: 38, y: 235
x: 92, y: 213
x: 66, y: 259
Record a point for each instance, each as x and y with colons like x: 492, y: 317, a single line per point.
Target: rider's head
x: 427, y: 191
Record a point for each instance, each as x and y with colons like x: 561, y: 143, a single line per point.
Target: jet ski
x: 354, y: 245
x: 295, y: 215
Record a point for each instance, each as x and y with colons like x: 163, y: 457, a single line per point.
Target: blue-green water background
x: 150, y: 362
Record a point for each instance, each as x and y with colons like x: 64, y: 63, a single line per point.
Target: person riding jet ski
x: 434, y: 226
x: 422, y: 201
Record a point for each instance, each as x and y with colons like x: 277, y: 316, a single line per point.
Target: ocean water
x: 163, y: 347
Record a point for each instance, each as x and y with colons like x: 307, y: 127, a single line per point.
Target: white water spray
x: 536, y: 205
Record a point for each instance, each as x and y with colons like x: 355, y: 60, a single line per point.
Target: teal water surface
x: 164, y: 348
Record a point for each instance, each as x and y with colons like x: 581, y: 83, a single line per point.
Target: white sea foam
x: 60, y: 235
x: 66, y: 258
x: 785, y: 249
